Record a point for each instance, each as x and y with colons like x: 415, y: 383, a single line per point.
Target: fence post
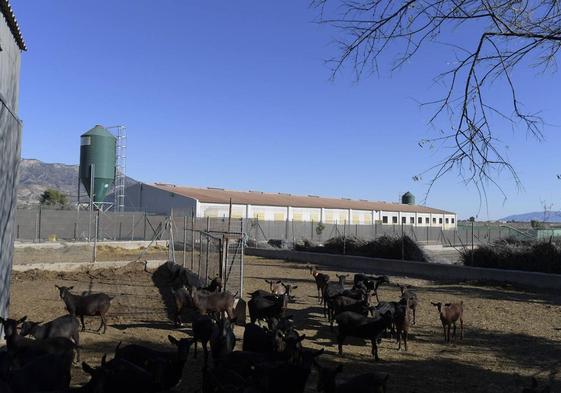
x: 312, y: 230
x: 132, y: 228
x: 344, y: 237
x: 428, y: 234
x: 193, y: 240
x: 38, y: 226
x: 286, y: 230
x: 120, y: 230
x: 75, y: 230
x: 402, y: 243
x: 17, y: 232
x: 144, y: 233
x: 184, y: 240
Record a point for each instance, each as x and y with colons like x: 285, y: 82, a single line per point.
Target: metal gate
x: 220, y: 254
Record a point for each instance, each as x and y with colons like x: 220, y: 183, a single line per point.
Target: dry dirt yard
x: 510, y: 334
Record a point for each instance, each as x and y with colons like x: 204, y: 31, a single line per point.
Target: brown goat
x: 216, y: 302
x: 402, y: 322
x: 449, y: 315
x: 321, y: 281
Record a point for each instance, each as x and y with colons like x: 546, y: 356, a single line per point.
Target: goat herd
x: 272, y: 358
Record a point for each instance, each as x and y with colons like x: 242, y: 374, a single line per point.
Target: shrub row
x: 542, y: 257
x: 383, y: 247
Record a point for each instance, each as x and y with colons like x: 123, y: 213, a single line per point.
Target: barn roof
x: 219, y: 195
x: 8, y: 13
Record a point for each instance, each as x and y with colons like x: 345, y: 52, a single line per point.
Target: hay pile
x: 389, y: 247
x: 542, y: 257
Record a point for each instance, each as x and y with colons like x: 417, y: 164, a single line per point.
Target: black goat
x: 121, y: 375
x: 182, y: 300
x: 222, y: 340
x: 44, y: 373
x: 356, y: 325
x: 66, y: 326
x: 203, y: 327
x: 165, y: 367
x: 371, y: 283
x: 364, y: 383
x: 342, y: 303
x: 331, y: 290
x: 90, y: 305
x: 261, y: 307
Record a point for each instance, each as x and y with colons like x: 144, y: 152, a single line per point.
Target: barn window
x: 394, y: 219
x: 447, y: 221
x: 420, y: 220
x: 404, y: 220
x: 453, y: 220
x: 427, y: 221
x: 434, y: 220
x: 384, y: 219
x: 440, y: 220
x: 411, y: 220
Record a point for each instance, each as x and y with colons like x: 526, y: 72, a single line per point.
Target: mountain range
x: 550, y: 216
x: 36, y: 176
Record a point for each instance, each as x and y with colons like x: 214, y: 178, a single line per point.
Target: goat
x: 534, y: 388
x: 342, y: 303
x: 222, y: 340
x: 44, y: 373
x: 182, y: 300
x: 90, y: 305
x: 121, y: 375
x: 332, y: 289
x: 321, y: 281
x: 371, y: 283
x: 402, y: 322
x: 264, y: 308
x: 216, y: 302
x: 215, y: 285
x: 25, y: 350
x: 203, y: 327
x: 165, y: 367
x: 66, y: 326
x: 280, y: 288
x: 449, y: 315
x: 407, y: 293
x: 356, y: 325
x: 364, y: 383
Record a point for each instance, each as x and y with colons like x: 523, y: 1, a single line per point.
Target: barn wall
x: 10, y: 143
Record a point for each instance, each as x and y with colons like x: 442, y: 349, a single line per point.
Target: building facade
x: 11, y: 45
x: 215, y: 202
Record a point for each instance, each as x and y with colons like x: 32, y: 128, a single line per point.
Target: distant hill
x: 553, y: 216
x: 36, y: 176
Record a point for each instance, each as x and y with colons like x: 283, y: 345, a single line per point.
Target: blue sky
x: 237, y: 95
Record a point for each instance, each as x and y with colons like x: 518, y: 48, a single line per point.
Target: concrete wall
x: 415, y: 269
x: 10, y: 144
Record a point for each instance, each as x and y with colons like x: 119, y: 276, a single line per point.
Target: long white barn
x: 215, y: 202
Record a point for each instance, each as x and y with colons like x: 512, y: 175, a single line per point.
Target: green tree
x: 536, y: 224
x: 52, y: 197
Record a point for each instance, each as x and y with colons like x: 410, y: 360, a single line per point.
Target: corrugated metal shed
x: 12, y: 23
x: 218, y: 195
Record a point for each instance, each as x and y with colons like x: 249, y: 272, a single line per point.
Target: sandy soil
x: 507, y: 332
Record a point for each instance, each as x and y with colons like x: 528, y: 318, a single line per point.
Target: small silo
x: 408, y: 198
x: 97, y: 157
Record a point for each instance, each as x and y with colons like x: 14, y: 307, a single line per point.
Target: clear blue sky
x: 236, y: 94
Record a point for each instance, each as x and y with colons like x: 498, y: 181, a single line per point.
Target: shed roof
x: 219, y: 195
x: 8, y: 13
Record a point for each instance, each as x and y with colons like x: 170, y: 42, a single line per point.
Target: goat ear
x: 57, y: 287
x: 21, y: 320
x: 70, y: 288
x: 294, y: 287
x: 173, y: 340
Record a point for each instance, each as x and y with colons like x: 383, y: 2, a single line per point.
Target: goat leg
x: 83, y: 324
x: 375, y: 349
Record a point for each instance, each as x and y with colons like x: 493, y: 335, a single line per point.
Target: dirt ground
x: 510, y: 335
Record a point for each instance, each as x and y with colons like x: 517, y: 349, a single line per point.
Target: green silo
x: 97, y: 147
x: 408, y: 198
